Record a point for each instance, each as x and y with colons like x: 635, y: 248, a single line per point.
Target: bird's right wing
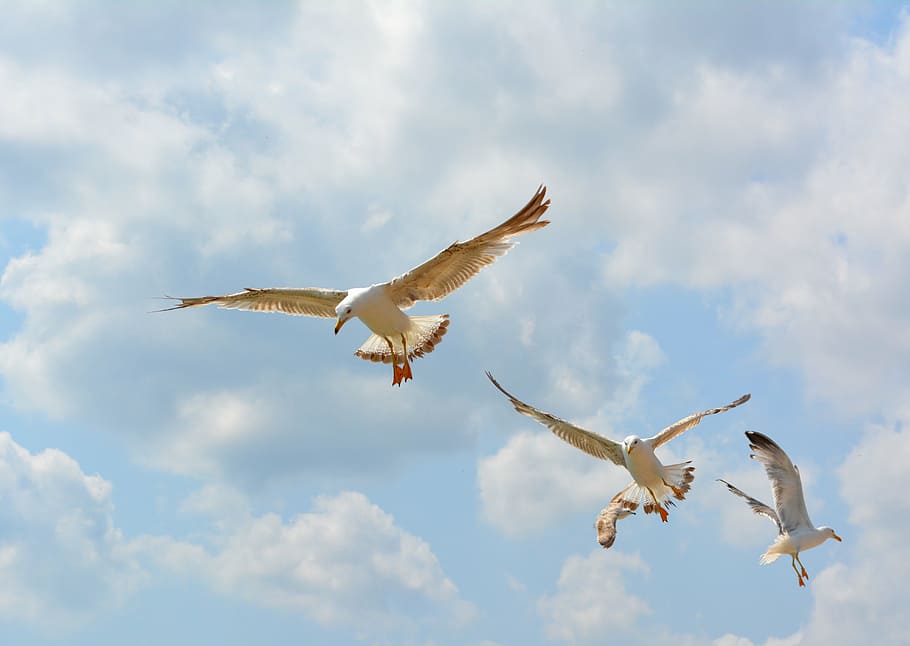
x: 786, y: 485
x: 757, y: 506
x: 590, y: 443
x: 306, y: 301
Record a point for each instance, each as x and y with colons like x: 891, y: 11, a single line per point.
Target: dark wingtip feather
x: 760, y: 441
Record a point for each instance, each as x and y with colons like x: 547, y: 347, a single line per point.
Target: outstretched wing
x: 686, y: 423
x: 786, y: 485
x: 606, y: 522
x: 757, y: 506
x: 305, y: 301
x: 590, y: 443
x: 459, y: 262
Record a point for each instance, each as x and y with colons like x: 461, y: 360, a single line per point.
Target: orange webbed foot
x: 397, y: 375
x: 663, y: 513
x: 406, y: 372
x: 801, y: 583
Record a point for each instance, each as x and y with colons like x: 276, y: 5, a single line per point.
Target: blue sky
x: 730, y: 214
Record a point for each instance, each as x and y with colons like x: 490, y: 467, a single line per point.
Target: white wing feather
x: 786, y: 485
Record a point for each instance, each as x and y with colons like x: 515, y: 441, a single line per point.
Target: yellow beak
x: 838, y: 538
x: 629, y: 449
x: 339, y: 324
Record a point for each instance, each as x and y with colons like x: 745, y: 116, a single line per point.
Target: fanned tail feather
x: 775, y: 550
x: 678, y: 476
x: 424, y: 335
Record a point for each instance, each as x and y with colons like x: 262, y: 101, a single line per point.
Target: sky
x: 730, y: 214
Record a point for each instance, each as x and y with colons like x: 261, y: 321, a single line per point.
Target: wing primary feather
x: 460, y: 261
x: 587, y: 441
x: 757, y: 506
x: 307, y: 301
x: 683, y: 425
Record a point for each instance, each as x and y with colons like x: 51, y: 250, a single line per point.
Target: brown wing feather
x: 459, y: 262
x: 590, y: 443
x: 305, y: 301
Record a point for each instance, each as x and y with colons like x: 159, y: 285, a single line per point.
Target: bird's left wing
x: 686, y: 423
x: 590, y: 443
x: 459, y: 262
x: 786, y: 483
x: 305, y: 301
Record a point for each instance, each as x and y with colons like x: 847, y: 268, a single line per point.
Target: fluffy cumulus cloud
x: 812, y: 256
x: 345, y: 562
x: 62, y: 559
x: 753, y: 156
x: 591, y: 600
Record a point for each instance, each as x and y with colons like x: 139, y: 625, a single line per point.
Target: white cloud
x: 344, y: 563
x: 591, y: 599
x: 532, y: 482
x: 869, y: 589
x: 62, y: 559
x: 796, y: 203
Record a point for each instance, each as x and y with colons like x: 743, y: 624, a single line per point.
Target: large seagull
x: 795, y: 532
x: 397, y: 337
x: 654, y: 484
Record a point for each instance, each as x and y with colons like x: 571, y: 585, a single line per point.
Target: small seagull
x: 653, y: 483
x: 396, y: 336
x: 606, y: 523
x: 795, y: 532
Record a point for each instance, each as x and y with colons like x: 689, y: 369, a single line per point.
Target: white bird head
x: 344, y: 311
x: 829, y: 533
x: 630, y: 443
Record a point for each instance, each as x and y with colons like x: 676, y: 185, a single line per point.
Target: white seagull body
x: 396, y: 336
x: 654, y: 485
x: 796, y: 533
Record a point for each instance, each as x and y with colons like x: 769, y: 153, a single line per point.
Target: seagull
x: 396, y: 336
x: 653, y: 483
x: 795, y: 532
x: 606, y: 523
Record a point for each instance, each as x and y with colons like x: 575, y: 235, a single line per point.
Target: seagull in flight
x: 606, y: 522
x: 654, y: 484
x: 795, y: 532
x: 396, y: 337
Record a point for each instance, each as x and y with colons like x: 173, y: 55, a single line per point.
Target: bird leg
x: 679, y: 493
x: 406, y: 370
x: 805, y: 574
x: 397, y: 373
x: 799, y: 575
x: 660, y: 508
